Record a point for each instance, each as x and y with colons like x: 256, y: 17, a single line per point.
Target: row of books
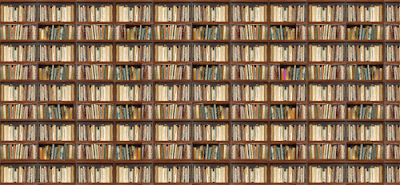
x: 27, y: 132
x: 201, y: 174
x: 202, y: 132
x: 184, y: 32
x: 249, y: 132
x: 91, y: 13
x: 205, y: 13
x: 200, y: 111
x: 200, y: 152
x: 203, y: 72
x: 201, y: 53
x: 181, y: 92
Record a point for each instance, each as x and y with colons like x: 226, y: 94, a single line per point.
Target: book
x: 18, y: 72
x: 364, y: 13
x: 210, y: 72
x: 370, y: 53
x: 327, y: 12
x: 22, y: 92
x: 330, y: 72
x: 124, y: 32
x: 172, y: 13
x: 211, y: 32
x: 137, y: 132
x: 373, y: 92
x: 18, y: 174
x: 173, y: 151
x: 365, y: 111
x: 326, y: 53
x: 211, y: 152
x: 327, y: 151
x: 18, y: 132
x: 326, y: 32
x: 249, y: 53
x: 288, y: 73
x: 95, y: 111
x: 133, y: 13
x: 210, y: 53
x: 249, y: 151
x: 210, y: 132
x: 134, y: 112
x: 18, y: 53
x: 288, y: 112
x: 172, y: 174
x: 94, y: 72
x: 172, y: 32
x: 57, y: 32
x: 95, y: 132
x: 18, y: 13
x: 134, y: 92
x: 101, y: 92
x: 249, y: 132
x: 94, y: 32
x: 55, y: 53
x: 56, y: 92
x: 171, y: 53
x: 288, y: 174
x: 365, y: 174
x: 94, y: 13
x: 133, y: 152
x: 55, y: 132
x: 365, y: 32
x: 290, y: 132
x: 327, y: 111
x: 249, y: 111
x: 94, y: 173
x: 213, y: 111
x: 19, y: 151
x: 207, y: 92
x: 18, y: 32
x: 56, y: 174
x: 56, y: 152
x: 249, y: 72
x: 284, y: 92
x: 365, y: 151
x: 173, y: 111
x: 94, y: 151
x: 210, y: 13
x: 133, y: 174
x: 56, y: 13
x: 94, y: 53
x: 319, y: 92
x: 288, y: 13
x: 329, y: 132
x: 249, y: 32
x: 175, y: 92
x: 55, y: 111
x: 288, y: 152
x: 327, y: 174
x: 135, y: 53
x: 298, y: 32
x: 172, y: 72
x: 211, y: 174
x: 240, y: 92
x: 175, y: 132
x: 249, y: 174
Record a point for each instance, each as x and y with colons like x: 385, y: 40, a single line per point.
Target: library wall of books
x: 200, y: 91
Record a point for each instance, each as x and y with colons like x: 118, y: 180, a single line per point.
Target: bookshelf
x: 97, y: 103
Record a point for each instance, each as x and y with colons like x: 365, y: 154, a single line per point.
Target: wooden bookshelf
x: 114, y: 121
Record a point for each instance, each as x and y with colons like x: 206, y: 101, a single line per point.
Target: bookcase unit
x: 256, y: 100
